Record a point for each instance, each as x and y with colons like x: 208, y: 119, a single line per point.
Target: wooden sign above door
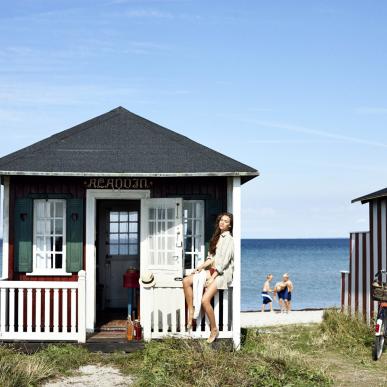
x: 117, y: 183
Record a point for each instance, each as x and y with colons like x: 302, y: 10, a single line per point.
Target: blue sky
x: 296, y: 89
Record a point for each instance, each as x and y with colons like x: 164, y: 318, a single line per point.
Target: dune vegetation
x: 335, y: 352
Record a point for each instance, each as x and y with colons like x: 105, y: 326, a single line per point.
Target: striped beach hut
x: 90, y: 208
x: 368, y: 255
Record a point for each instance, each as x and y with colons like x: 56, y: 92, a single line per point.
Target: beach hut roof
x: 374, y: 195
x: 120, y: 143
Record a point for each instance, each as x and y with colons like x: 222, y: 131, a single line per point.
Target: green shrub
x: 346, y: 332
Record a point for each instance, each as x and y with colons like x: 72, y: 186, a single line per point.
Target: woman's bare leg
x: 188, y: 293
x: 206, y: 303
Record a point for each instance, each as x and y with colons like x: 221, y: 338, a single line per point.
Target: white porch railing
x: 43, y: 310
x: 165, y: 314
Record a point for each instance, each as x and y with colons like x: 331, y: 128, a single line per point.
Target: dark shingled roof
x: 374, y: 195
x: 121, y: 143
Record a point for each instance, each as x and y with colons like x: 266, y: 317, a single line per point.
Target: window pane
x: 40, y: 261
x: 114, y: 216
x: 133, y: 238
x: 188, y: 244
x: 124, y: 227
x: 123, y: 239
x: 51, y: 223
x: 133, y: 227
x: 160, y: 227
x: 49, y: 243
x: 171, y: 213
x: 59, y: 226
x: 47, y: 227
x: 59, y: 209
x: 40, y: 227
x: 113, y: 227
x: 161, y: 213
x: 113, y: 238
x: 124, y: 250
x: 123, y: 216
x: 58, y: 261
x: 133, y: 216
x: 133, y: 250
x: 113, y: 249
x: 58, y: 244
x: 52, y: 209
x: 152, y: 213
x: 39, y: 206
x: 152, y: 228
x: 40, y: 244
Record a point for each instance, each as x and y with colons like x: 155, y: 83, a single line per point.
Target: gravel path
x: 91, y: 376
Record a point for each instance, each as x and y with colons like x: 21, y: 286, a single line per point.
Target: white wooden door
x: 162, y: 239
x: 162, y: 307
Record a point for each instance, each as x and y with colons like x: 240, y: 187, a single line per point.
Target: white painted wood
x: 383, y: 234
x: 353, y: 256
x: 56, y: 311
x: 174, y: 308
x: 73, y: 311
x: 47, y: 310
x: 92, y: 195
x: 236, y: 302
x: 4, y: 270
x: 3, y: 309
x: 368, y: 279
x: 64, y: 310
x: 29, y: 310
x: 225, y: 309
x: 375, y: 235
x: 360, y: 278
x: 41, y: 336
x: 38, y: 310
x: 82, y: 307
x: 146, y: 312
x: 182, y: 322
x: 216, y: 309
x: 20, y: 316
x: 11, y: 310
x: 38, y: 284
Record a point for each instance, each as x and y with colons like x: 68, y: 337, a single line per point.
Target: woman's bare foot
x: 214, y: 334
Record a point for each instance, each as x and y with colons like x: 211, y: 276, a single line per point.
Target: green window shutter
x: 74, y: 235
x: 23, y: 235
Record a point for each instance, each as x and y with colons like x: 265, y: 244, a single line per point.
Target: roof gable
x: 120, y: 142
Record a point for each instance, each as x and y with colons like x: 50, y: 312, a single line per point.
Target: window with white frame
x: 193, y: 219
x: 49, y: 235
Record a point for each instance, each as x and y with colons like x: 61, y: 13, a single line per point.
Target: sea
x: 313, y: 265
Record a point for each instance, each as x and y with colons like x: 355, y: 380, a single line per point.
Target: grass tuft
x: 348, y: 333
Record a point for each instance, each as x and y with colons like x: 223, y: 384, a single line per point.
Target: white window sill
x: 58, y: 273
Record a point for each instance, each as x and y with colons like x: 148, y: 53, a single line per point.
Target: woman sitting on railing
x: 220, y: 267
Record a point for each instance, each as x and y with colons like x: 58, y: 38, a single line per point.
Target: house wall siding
x: 213, y: 190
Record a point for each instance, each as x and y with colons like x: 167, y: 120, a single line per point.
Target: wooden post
x: 234, y: 201
x: 5, y: 269
x: 82, y: 306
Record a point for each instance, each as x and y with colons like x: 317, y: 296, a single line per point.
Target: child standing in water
x: 266, y: 298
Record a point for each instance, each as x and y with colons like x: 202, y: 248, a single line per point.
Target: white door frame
x: 92, y: 195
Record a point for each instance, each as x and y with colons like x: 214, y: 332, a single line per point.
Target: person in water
x: 266, y: 298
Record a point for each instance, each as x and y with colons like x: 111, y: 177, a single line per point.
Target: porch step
x: 113, y: 326
x: 110, y: 341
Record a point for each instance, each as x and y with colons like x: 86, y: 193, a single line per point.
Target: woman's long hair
x: 217, y: 232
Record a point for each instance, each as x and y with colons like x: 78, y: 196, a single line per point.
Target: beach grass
x: 337, y: 351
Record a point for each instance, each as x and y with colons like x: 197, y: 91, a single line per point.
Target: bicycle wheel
x: 378, y: 347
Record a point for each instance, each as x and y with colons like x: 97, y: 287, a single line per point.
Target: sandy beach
x: 259, y: 319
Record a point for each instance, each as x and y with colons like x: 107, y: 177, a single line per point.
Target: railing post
x: 82, y: 306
